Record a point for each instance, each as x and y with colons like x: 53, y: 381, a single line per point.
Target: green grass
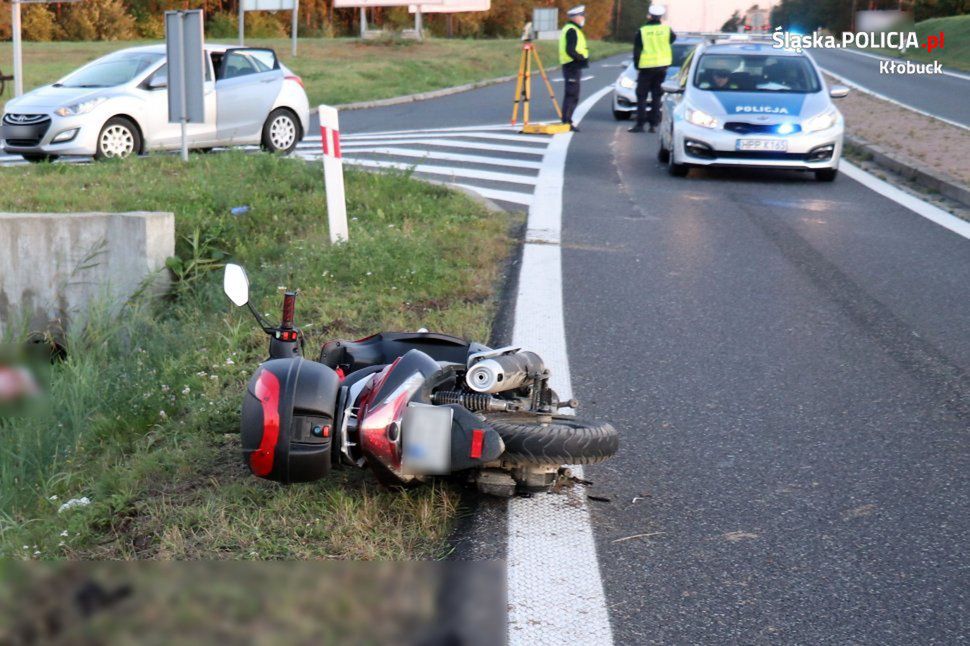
x: 172, y: 485
x: 341, y: 70
x: 955, y: 53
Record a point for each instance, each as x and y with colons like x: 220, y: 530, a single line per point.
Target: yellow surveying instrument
x: 523, y: 90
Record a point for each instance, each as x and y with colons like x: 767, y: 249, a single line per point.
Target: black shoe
x: 652, y: 128
x: 636, y: 128
x: 573, y: 128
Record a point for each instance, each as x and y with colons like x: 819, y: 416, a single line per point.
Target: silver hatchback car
x: 117, y: 106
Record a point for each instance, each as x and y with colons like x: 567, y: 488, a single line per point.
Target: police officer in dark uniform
x: 574, y: 58
x: 652, y: 56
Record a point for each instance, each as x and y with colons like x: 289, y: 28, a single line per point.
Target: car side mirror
x: 235, y: 284
x: 838, y: 91
x: 672, y: 87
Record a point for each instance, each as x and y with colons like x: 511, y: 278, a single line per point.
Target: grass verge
x: 142, y: 417
x: 339, y: 70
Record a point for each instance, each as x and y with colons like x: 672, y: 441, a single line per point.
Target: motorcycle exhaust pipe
x: 505, y: 372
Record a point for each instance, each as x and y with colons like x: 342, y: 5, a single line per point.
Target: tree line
x: 143, y: 19
x: 836, y: 15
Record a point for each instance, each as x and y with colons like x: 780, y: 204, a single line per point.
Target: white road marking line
x: 925, y: 209
x: 537, y: 140
x: 513, y: 197
x: 432, y: 154
x: 865, y: 90
x: 497, y: 126
x: 584, y: 78
x: 555, y: 593
x: 450, y: 143
x: 448, y: 171
x: 880, y: 57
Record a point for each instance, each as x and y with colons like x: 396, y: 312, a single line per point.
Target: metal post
x: 18, y: 62
x: 363, y: 21
x: 242, y: 21
x: 185, y: 107
x: 296, y: 16
x: 418, y: 23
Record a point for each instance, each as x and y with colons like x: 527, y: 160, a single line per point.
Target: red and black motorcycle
x: 410, y: 406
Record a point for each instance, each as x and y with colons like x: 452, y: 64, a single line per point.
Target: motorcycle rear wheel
x: 563, y: 440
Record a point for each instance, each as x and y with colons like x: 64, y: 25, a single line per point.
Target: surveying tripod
x: 523, y: 89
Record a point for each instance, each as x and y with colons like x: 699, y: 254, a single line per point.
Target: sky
x: 706, y: 15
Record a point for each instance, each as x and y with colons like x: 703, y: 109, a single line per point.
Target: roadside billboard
x: 450, y: 6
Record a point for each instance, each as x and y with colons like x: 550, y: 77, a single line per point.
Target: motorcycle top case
x: 287, y: 420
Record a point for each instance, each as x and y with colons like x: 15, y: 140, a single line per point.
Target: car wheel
x: 663, y: 155
x: 621, y: 115
x: 675, y: 169
x: 38, y: 158
x: 281, y: 132
x: 119, y: 138
x: 826, y: 174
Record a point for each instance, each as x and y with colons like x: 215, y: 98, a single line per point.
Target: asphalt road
x: 788, y: 362
x: 938, y: 94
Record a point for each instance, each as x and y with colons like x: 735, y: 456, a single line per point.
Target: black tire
x: 38, y: 158
x: 119, y: 138
x: 675, y: 169
x: 621, y: 115
x: 826, y: 174
x: 565, y: 440
x: 288, y: 124
x: 663, y: 155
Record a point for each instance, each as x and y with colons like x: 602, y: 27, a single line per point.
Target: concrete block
x: 53, y: 266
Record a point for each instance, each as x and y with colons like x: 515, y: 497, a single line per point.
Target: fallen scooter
x: 411, y: 406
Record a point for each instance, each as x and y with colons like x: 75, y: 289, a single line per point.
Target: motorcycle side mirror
x: 235, y: 284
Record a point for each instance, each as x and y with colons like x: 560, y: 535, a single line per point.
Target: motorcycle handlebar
x: 289, y: 310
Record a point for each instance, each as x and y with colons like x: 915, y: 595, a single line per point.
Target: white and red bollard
x: 333, y: 173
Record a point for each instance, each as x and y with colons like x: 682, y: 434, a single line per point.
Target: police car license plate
x: 762, y: 145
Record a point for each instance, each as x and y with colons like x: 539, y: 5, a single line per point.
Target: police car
x: 750, y: 104
x: 625, y: 86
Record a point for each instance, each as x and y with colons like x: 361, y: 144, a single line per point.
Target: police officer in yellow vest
x: 651, y: 56
x: 574, y: 58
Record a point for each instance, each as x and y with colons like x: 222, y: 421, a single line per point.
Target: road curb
x: 423, y: 96
x: 912, y: 170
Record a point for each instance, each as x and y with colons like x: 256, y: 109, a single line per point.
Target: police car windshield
x: 755, y: 73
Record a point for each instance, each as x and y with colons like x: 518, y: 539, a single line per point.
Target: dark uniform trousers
x: 649, y: 81
x: 571, y: 75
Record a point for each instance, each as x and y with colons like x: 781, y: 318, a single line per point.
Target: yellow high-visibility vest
x: 656, y: 46
x: 581, y: 48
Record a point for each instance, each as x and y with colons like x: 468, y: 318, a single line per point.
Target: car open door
x: 248, y: 81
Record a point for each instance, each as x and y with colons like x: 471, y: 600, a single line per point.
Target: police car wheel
x: 675, y: 169
x: 826, y: 174
x: 621, y: 115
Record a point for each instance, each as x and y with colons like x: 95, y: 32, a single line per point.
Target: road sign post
x: 333, y: 173
x: 184, y: 50
x: 18, y: 63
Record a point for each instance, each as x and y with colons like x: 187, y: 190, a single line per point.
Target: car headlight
x: 627, y: 82
x: 822, y: 121
x: 82, y: 107
x: 700, y: 118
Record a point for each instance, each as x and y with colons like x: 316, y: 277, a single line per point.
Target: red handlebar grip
x: 289, y: 308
